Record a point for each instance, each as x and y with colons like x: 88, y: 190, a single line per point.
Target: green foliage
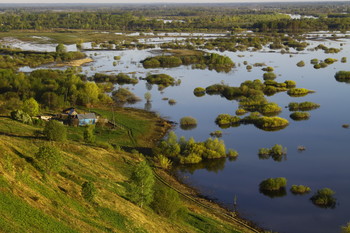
x: 188, y: 121
x: 61, y: 48
x: 330, y: 60
x: 346, y: 229
x: 31, y: 107
x: 271, y: 122
x: 216, y: 133
x: 298, y: 92
x: 268, y: 69
x: 270, y: 108
x: 166, y: 202
x: 199, y: 91
x: 342, y: 76
x: 232, y: 153
x: 297, y: 116
x: 123, y: 95
x: 161, y: 79
x: 49, y: 159
x: 89, y: 135
x: 301, y: 64
x: 55, y: 131
x: 314, y: 61
x: 140, y: 188
x: 148, y: 96
x: 303, y: 106
x: 163, y: 161
x: 120, y: 78
x: 241, y: 111
x: 290, y: 83
x: 300, y: 189
x: 273, y: 184
x: 324, y: 198
x: 88, y: 191
x: 343, y: 60
x: 21, y: 116
x: 226, y: 119
x: 269, y: 76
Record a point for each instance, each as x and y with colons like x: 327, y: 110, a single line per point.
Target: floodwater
x: 324, y: 163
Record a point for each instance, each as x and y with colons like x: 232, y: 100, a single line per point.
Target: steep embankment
x: 31, y: 201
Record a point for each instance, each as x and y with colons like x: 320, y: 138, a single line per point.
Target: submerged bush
x: 273, y: 184
x: 226, y: 119
x: 160, y: 79
x: 298, y: 91
x: 297, y: 116
x: 199, y: 91
x: 324, y: 198
x: 271, y: 122
x: 269, y: 76
x: 188, y: 120
x: 303, y: 106
x: 301, y: 64
x: 300, y: 189
x: 342, y: 76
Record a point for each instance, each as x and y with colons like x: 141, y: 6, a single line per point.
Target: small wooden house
x: 86, y: 119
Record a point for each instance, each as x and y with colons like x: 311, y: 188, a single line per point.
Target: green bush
x: 342, y: 75
x: 303, y: 106
x: 199, y: 91
x: 324, y: 198
x: 21, y: 116
x: 297, y: 116
x: 241, y: 111
x: 49, y: 158
x: 187, y: 121
x: 301, y: 64
x: 89, y: 135
x: 273, y: 184
x: 232, y: 153
x: 88, y: 191
x: 271, y: 122
x: 314, y: 61
x: 330, y: 60
x: 343, y: 59
x: 163, y: 161
x: 55, y: 131
x: 290, y: 83
x: 161, y: 79
x: 269, y: 76
x: 298, y: 91
x: 226, y: 119
x: 268, y: 69
x: 300, y: 189
x: 275, y: 150
x: 270, y: 108
x: 166, y: 202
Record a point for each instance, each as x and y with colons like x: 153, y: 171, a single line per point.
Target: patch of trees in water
x: 190, y: 152
x: 303, y: 106
x: 208, y: 60
x: 343, y: 76
x: 277, y: 153
x: 299, y: 116
x: 120, y: 78
x: 14, y: 58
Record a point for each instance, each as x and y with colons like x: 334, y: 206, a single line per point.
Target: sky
x: 151, y: 1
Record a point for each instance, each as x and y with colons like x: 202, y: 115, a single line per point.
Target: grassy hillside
x: 35, y: 202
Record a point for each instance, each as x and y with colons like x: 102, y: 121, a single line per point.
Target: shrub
x: 88, y: 191
x: 226, y: 119
x: 216, y: 133
x: 123, y: 95
x: 314, y: 61
x: 330, y: 60
x: 343, y: 59
x: 55, y: 131
x: 346, y: 229
x: 317, y: 66
x: 297, y: 116
x: 301, y: 64
x: 342, y: 75
x: 324, y: 198
x: 270, y: 108
x: 21, y: 116
x: 48, y: 159
x: 269, y: 76
x: 273, y: 184
x: 298, y: 91
x: 166, y: 202
x: 232, y: 153
x: 199, y: 91
x: 188, y: 121
x: 271, y: 122
x: 241, y: 111
x: 275, y: 150
x: 249, y: 67
x: 303, y: 106
x: 31, y: 107
x: 300, y: 189
x: 290, y: 83
x: 160, y: 79
x: 163, y: 161
x: 268, y: 69
x: 89, y: 135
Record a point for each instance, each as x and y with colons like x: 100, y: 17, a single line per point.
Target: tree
x: 31, y: 107
x: 55, y: 131
x: 89, y: 136
x: 88, y: 190
x: 141, y: 185
x: 60, y: 48
x: 166, y: 202
x: 49, y: 158
x: 148, y: 97
x: 21, y: 116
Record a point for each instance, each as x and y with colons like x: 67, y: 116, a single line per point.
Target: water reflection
x: 277, y: 158
x: 212, y: 165
x: 273, y: 194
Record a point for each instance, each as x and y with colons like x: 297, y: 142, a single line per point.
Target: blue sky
x: 148, y: 1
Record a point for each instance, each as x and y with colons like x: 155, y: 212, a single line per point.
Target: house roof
x: 86, y: 116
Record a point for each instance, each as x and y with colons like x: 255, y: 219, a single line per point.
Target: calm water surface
x: 324, y: 163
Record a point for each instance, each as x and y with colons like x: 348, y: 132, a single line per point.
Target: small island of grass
x: 300, y: 189
x: 324, y: 198
x: 273, y: 184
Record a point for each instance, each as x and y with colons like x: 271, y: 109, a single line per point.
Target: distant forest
x: 270, y: 17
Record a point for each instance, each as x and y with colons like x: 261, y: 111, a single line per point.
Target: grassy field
x: 35, y: 202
